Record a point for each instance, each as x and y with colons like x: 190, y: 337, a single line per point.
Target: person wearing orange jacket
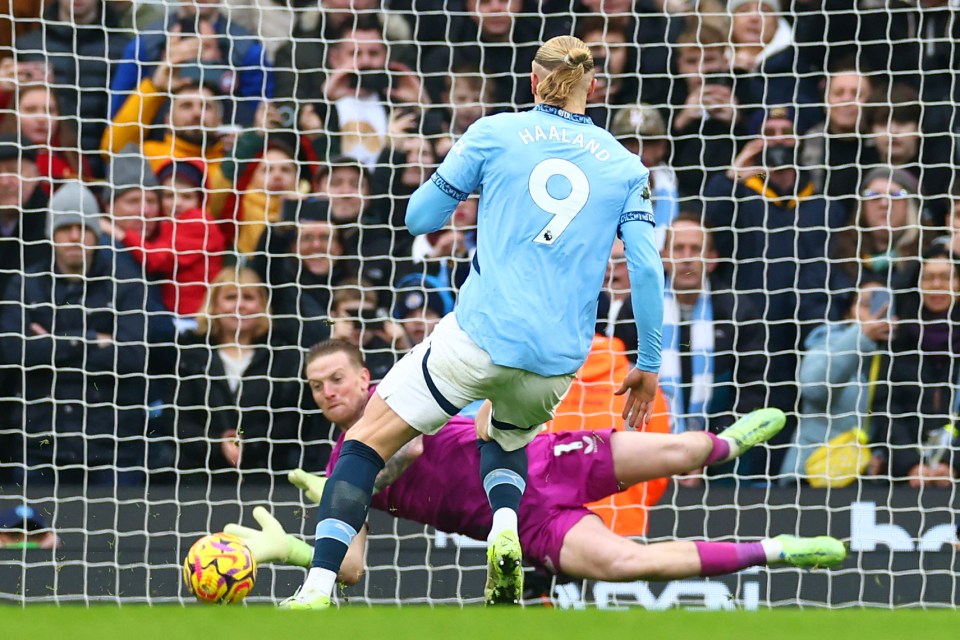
x: 591, y: 405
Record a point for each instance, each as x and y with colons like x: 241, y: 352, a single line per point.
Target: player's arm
x: 351, y: 570
x: 432, y: 204
x: 636, y: 229
x: 273, y: 544
x: 646, y: 288
x: 646, y: 293
x: 398, y: 463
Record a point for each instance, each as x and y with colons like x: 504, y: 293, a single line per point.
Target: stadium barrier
x: 124, y: 548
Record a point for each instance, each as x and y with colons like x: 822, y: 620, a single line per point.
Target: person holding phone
x: 835, y: 376
x: 706, y: 123
x: 357, y: 320
x: 199, y: 36
x: 924, y: 372
x: 882, y: 235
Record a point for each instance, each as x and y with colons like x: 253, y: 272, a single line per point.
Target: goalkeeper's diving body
x: 431, y: 481
x: 555, y: 192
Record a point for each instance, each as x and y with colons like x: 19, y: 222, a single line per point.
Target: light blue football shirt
x: 554, y: 191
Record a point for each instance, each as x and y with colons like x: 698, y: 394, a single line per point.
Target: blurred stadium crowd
x: 193, y: 195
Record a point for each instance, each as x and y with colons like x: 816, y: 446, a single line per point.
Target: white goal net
x: 194, y: 194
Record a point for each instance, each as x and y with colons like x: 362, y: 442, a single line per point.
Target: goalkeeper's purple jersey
x: 442, y: 488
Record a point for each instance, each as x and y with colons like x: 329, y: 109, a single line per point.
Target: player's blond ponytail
x: 568, y: 63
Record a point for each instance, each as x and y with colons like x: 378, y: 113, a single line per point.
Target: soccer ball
x: 219, y: 569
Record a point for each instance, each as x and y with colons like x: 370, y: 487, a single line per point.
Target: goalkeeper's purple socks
x: 720, y: 452
x: 721, y: 558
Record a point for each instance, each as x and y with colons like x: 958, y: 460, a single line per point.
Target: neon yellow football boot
x: 504, y: 570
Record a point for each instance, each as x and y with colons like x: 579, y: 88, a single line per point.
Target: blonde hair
x: 568, y: 62
x: 208, y: 320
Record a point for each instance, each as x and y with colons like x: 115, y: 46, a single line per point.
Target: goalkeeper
x: 432, y: 481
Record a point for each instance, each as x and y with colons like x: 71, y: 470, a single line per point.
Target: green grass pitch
x: 419, y: 623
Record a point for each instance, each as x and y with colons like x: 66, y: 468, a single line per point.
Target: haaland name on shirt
x: 562, y: 134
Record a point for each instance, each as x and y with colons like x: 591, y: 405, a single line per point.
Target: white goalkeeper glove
x: 309, y: 483
x: 272, y: 543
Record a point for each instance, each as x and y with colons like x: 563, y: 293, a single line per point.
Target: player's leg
x: 407, y: 403
x: 504, y: 476
x: 521, y: 403
x: 346, y: 497
x: 592, y: 551
x: 639, y: 457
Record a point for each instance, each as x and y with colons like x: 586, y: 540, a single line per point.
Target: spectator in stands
x: 899, y: 40
x: 467, y: 98
x: 185, y: 250
x: 80, y: 40
x: 836, y: 151
x: 194, y: 129
x: 35, y: 115
x: 299, y: 258
x: 706, y: 123
x: 365, y: 243
x: 765, y: 56
x: 615, y: 309
x: 240, y: 391
x: 263, y: 188
x: 23, y: 527
x: 299, y: 63
x: 590, y: 404
x: 23, y: 217
x: 924, y: 369
x: 835, y: 377
x: 491, y: 36
x: 951, y: 239
x: 447, y: 254
x: 404, y: 164
x: 132, y: 206
x: 358, y: 321
x: 421, y: 301
x: 712, y: 341
x: 132, y: 199
x: 361, y: 89
x: 895, y: 126
x: 23, y: 204
x: 770, y: 230
x: 882, y: 237
x: 613, y: 56
x: 204, y: 45
x: 648, y: 24
x: 642, y: 130
x: 76, y: 327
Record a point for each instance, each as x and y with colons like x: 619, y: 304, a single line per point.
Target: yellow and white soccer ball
x: 219, y: 569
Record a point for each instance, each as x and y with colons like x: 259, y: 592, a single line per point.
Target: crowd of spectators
x: 192, y: 195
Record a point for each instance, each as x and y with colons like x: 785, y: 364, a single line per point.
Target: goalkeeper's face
x: 339, y: 387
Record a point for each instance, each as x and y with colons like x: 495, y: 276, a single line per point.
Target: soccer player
x: 432, y: 481
x: 555, y: 192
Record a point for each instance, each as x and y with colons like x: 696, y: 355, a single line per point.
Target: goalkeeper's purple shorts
x: 566, y: 471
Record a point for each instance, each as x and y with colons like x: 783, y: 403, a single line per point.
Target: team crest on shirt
x: 645, y: 194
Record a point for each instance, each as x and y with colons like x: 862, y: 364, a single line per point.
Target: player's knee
x: 685, y: 452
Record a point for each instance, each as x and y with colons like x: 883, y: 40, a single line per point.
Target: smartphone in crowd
x: 881, y: 301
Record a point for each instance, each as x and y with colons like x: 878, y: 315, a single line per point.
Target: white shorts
x: 448, y: 371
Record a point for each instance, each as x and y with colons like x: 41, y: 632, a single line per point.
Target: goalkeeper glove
x: 272, y: 543
x: 310, y: 484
